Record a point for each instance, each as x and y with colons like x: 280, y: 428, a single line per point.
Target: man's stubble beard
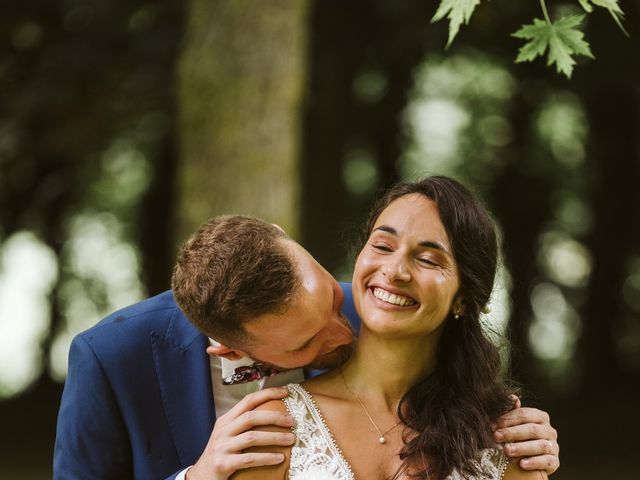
x: 334, y: 359
x: 340, y: 355
x: 327, y: 361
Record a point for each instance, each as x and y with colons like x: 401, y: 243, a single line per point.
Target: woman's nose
x: 396, y: 271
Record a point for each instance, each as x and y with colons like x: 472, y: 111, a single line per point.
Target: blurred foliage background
x: 125, y: 124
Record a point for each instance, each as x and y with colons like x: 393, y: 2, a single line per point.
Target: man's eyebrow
x: 424, y: 243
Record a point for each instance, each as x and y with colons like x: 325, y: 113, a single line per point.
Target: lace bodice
x: 316, y: 456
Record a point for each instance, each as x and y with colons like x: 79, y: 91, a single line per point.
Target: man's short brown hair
x: 231, y: 270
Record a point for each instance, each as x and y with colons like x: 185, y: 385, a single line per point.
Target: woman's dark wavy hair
x: 452, y: 409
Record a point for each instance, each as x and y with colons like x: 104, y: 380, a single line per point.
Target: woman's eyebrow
x: 424, y: 243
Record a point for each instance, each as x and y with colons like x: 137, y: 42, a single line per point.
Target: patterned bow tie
x: 250, y: 373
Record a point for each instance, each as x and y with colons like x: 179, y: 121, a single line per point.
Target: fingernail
x: 290, y: 437
x: 288, y: 421
x: 499, y: 435
x: 524, y: 463
x: 511, y: 449
x: 285, y: 390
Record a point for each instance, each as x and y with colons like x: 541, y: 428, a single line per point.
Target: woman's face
x: 405, y: 279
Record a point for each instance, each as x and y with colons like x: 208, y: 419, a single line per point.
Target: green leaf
x: 458, y: 12
x: 611, y: 5
x: 586, y: 5
x: 561, y: 39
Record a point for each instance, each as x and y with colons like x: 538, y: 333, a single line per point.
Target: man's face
x: 312, y: 331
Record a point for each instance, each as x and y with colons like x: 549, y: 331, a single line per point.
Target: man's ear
x: 225, y: 352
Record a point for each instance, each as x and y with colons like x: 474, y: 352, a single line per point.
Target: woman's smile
x: 406, y: 270
x: 396, y: 299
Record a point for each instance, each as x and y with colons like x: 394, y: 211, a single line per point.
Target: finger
x: 252, y: 400
x: 251, y: 459
x: 528, y: 431
x: 522, y: 415
x: 516, y: 401
x: 548, y: 463
x: 255, y: 438
x: 257, y: 418
x: 531, y: 448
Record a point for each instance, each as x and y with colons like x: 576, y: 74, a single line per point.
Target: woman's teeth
x: 392, y: 298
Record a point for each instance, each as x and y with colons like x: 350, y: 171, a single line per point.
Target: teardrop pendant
x: 382, y: 440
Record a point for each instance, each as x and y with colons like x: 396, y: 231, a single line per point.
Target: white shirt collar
x: 228, y: 367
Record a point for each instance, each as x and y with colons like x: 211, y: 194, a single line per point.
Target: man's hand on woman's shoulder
x: 527, y: 433
x: 251, y: 434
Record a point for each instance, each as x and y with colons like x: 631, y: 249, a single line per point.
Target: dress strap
x: 315, y: 453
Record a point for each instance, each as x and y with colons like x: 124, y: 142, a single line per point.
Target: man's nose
x: 341, y: 335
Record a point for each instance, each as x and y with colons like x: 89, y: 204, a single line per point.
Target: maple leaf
x: 561, y: 38
x: 458, y: 12
x: 611, y: 5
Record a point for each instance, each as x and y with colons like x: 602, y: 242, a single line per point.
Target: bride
x: 419, y: 395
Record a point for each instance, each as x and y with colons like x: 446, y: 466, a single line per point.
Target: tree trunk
x: 241, y: 79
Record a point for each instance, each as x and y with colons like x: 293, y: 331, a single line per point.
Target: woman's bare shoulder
x: 515, y: 472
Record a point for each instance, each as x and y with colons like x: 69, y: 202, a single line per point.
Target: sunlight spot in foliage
x: 79, y: 18
x: 556, y: 326
x: 102, y: 275
x: 435, y: 127
x: 28, y: 271
x: 470, y: 74
x: 370, y: 86
x: 574, y: 215
x: 563, y: 125
x: 26, y: 36
x: 628, y: 328
x: 631, y: 285
x: 360, y: 174
x: 143, y: 18
x: 631, y: 291
x: 126, y: 176
x: 628, y: 342
x: 565, y: 260
x: 496, y: 130
x: 457, y: 120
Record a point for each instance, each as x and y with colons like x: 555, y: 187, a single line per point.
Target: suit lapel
x: 184, y: 376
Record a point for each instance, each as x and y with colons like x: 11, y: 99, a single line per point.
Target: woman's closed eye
x: 381, y: 247
x: 428, y: 261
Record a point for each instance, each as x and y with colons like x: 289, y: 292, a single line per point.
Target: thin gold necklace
x: 382, y: 440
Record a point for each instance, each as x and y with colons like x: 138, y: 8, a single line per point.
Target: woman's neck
x: 383, y: 370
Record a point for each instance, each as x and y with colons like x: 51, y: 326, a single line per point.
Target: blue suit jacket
x: 137, y: 402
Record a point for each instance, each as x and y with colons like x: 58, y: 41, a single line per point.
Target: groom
x: 144, y: 400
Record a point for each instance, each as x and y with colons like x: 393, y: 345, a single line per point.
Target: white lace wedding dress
x: 316, y: 456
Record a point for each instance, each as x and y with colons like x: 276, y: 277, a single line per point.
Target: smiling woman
x: 418, y: 397
x: 408, y: 242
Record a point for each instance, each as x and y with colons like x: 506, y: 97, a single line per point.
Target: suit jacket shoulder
x: 138, y: 398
